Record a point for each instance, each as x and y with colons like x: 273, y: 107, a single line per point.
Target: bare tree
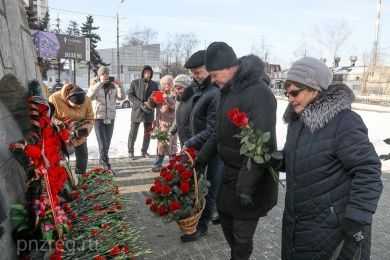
x: 175, y: 51
x: 337, y: 33
x: 140, y: 37
x: 261, y: 49
x: 304, y: 48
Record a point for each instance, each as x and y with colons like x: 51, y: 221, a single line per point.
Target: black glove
x: 353, y: 230
x: 81, y: 132
x: 199, y: 166
x: 146, y: 109
x: 246, y: 200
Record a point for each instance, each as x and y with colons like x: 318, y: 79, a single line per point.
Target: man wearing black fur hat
x: 202, y: 125
x: 245, y: 195
x: 139, y: 93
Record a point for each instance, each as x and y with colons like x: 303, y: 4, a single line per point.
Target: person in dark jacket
x: 56, y: 87
x: 202, y: 125
x: 245, y: 195
x: 332, y: 169
x: 184, y: 92
x: 139, y: 92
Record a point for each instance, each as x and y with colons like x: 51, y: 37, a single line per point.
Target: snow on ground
x: 377, y: 122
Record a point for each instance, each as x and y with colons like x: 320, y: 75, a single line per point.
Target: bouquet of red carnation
x: 158, y: 97
x: 254, y: 142
x: 177, y: 194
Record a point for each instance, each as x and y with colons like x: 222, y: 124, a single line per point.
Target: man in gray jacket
x: 139, y: 93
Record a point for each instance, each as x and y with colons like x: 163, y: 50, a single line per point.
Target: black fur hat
x: 77, y: 96
x: 220, y: 55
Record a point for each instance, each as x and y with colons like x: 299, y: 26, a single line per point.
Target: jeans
x: 81, y: 153
x: 214, y: 176
x: 133, y: 136
x: 159, y: 161
x: 239, y: 235
x: 104, y: 134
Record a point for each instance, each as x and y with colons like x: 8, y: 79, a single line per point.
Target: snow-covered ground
x: 377, y: 122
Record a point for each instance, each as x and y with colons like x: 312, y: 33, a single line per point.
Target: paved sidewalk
x: 135, y: 177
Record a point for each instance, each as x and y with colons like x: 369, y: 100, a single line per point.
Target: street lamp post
x: 118, y: 65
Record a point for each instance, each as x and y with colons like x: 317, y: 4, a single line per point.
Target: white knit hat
x: 182, y: 80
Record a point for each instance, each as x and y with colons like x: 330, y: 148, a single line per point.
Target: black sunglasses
x: 293, y: 93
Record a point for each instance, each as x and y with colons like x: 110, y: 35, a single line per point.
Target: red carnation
x: 84, y: 186
x: 97, y: 170
x: 174, y: 206
x: 97, y: 207
x: 162, y: 211
x: 237, y: 118
x: 73, y: 216
x: 105, y: 225
x: 94, y: 232
x: 115, y: 251
x: 168, y: 176
x: 158, y: 96
x: 185, y: 175
x: 192, y: 152
x: 99, y: 257
x: 185, y: 186
x: 125, y: 248
x: 165, y: 189
x: 148, y: 201
x: 153, y: 208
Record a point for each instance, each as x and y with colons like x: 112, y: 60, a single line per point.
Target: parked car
x: 123, y: 103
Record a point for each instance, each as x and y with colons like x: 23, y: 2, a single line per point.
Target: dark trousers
x: 133, y: 136
x: 214, y: 176
x: 81, y: 153
x: 104, y: 134
x: 239, y: 235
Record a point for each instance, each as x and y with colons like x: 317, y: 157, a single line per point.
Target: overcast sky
x: 282, y: 26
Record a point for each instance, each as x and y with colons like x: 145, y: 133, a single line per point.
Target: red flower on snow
x: 165, y: 189
x: 148, y: 201
x: 162, y: 211
x: 153, y: 207
x: 116, y: 250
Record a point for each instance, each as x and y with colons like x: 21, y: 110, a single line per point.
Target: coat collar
x: 321, y: 111
x: 250, y: 71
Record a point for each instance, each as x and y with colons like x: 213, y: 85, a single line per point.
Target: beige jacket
x: 64, y: 112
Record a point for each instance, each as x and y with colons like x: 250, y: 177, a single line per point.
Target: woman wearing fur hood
x: 332, y: 169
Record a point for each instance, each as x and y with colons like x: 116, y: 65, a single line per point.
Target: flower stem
x: 275, y: 176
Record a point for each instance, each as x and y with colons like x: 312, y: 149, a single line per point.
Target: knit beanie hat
x: 196, y: 60
x: 310, y: 72
x: 220, y: 56
x: 182, y: 80
x: 77, y: 96
x: 103, y: 69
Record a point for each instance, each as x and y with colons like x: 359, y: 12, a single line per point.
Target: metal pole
x: 74, y: 71
x: 118, y: 66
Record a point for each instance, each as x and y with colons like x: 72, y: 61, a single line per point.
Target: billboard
x: 52, y: 45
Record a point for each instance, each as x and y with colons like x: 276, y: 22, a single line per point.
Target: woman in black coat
x: 332, y: 169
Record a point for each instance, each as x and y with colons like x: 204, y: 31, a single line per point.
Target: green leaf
x: 259, y: 132
x: 258, y: 150
x: 277, y: 155
x: 18, y: 207
x: 265, y: 137
x: 19, y: 218
x: 267, y: 157
x: 259, y: 159
x: 243, y: 149
x: 387, y: 141
x: 244, y: 139
x: 22, y: 227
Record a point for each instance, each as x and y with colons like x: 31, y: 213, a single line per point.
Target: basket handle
x: 196, y: 189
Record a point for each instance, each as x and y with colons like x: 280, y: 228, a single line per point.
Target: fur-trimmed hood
x: 336, y: 98
x: 250, y: 71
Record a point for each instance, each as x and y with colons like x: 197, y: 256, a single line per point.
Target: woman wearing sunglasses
x: 332, y: 170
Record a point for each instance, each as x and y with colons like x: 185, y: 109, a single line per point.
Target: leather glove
x: 81, y: 132
x: 353, y: 230
x: 246, y: 200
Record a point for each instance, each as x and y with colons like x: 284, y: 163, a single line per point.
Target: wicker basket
x: 188, y: 225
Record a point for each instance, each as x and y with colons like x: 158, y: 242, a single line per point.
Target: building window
x: 357, y: 78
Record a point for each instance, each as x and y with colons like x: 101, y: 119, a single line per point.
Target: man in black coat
x: 202, y: 126
x: 245, y: 195
x: 139, y: 93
